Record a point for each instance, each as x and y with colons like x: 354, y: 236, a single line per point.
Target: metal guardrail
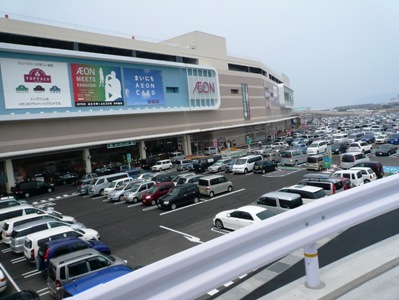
x: 195, y: 271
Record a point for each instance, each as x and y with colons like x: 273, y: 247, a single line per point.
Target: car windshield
x: 152, y: 189
x: 263, y: 215
x: 121, y: 187
x: 241, y: 161
x: 286, y: 155
x: 112, y: 184
x: 313, y: 145
x: 134, y: 188
x: 173, y: 192
x: 354, y: 145
x: 218, y: 163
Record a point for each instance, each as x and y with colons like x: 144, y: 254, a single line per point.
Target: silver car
x: 133, y: 195
x: 118, y: 193
x: 219, y: 166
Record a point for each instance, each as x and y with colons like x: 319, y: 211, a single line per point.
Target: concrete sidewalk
x: 369, y: 273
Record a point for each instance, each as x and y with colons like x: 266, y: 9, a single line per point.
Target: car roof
x: 285, y: 195
x: 301, y: 187
x: 75, y: 255
x: 252, y: 208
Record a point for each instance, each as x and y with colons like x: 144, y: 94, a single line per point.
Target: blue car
x: 100, y: 277
x: 393, y: 139
x: 55, y: 248
x: 369, y: 138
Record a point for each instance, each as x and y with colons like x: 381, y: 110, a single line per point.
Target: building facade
x: 71, y: 98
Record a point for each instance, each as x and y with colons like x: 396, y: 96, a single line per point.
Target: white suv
x: 363, y: 147
x: 162, y: 165
x: 317, y: 147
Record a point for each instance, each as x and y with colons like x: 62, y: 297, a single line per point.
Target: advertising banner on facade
x: 143, y: 87
x: 95, y: 85
x: 31, y: 84
x: 245, y: 101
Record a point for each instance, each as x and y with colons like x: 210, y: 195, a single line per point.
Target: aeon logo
x: 37, y: 75
x: 204, y: 87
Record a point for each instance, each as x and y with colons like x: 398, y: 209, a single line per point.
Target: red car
x: 155, y: 192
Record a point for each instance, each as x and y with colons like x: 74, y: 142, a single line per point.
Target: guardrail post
x: 312, y: 267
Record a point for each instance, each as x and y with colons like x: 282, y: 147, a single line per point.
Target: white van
x: 34, y: 240
x: 162, y: 165
x: 116, y: 183
x: 8, y: 225
x: 246, y: 164
x: 355, y: 176
x: 17, y: 211
x: 98, y: 184
x: 340, y: 137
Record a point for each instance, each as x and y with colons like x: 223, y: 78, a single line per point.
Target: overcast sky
x: 335, y: 52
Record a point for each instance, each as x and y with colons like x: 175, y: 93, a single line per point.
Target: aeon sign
x: 203, y: 87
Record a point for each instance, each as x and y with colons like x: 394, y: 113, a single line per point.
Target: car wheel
x: 230, y: 188
x: 219, y: 170
x: 319, y: 168
x: 196, y: 200
x: 296, y: 162
x: 49, y: 190
x: 173, y: 206
x: 245, y: 171
x: 121, y: 198
x: 153, y: 202
x: 27, y: 195
x: 102, y: 192
x: 263, y: 171
x: 366, y: 181
x: 219, y: 224
x: 211, y: 194
x: 135, y: 200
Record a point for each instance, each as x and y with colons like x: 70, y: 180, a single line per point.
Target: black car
x: 30, y: 188
x: 338, y: 148
x: 162, y: 178
x: 376, y: 166
x: 263, y: 166
x: 147, y: 163
x: 180, y: 195
x: 385, y: 150
x: 68, y: 178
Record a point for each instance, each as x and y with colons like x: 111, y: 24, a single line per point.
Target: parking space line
x: 134, y: 205
x: 10, y: 278
x: 150, y: 208
x: 6, y: 250
x: 33, y: 274
x: 221, y: 231
x: 180, y: 208
x: 18, y: 260
x: 119, y: 202
x: 224, y: 195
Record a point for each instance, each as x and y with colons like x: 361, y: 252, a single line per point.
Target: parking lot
x: 142, y: 234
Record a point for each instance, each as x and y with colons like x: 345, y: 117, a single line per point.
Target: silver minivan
x: 214, y: 184
x: 279, y: 202
x: 98, y: 184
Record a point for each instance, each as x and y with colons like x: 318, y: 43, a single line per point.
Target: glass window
x: 78, y: 268
x: 98, y: 262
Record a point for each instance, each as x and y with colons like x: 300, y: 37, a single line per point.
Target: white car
x: 368, y: 173
x: 381, y: 139
x: 218, y: 166
x: 238, y: 218
x: 363, y: 147
x: 317, y: 147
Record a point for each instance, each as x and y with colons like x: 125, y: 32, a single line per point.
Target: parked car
x: 263, y: 166
x: 381, y: 139
x: 368, y: 173
x: 279, y: 202
x: 219, y: 166
x: 118, y: 193
x: 300, y: 147
x: 176, y: 156
x: 116, y: 183
x: 202, y: 164
x: 179, y: 195
x: 155, y: 192
x: 146, y: 164
x: 308, y: 193
x: 31, y: 188
x: 386, y: 150
x: 162, y: 178
x: 376, y: 166
x: 52, y: 249
x: 355, y: 176
x: 184, y: 164
x: 393, y: 139
x: 211, y: 150
x: 68, y: 178
x: 137, y: 190
x: 96, y: 278
x: 349, y: 160
x: 188, y: 179
x: 317, y: 147
x: 66, y: 268
x: 369, y: 138
x: 162, y: 165
x: 214, y: 184
x: 339, y: 148
x: 274, y: 157
x: 241, y: 217
x: 360, y: 146
x: 229, y: 165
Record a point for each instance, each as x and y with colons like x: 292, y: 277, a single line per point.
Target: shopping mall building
x: 71, y: 100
